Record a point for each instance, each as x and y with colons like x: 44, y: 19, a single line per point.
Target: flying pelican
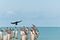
x: 16, y: 23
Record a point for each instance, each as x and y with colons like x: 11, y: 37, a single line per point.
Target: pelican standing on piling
x: 5, y: 36
x: 26, y: 33
x: 16, y: 33
x: 36, y: 33
x: 12, y: 33
x: 23, y: 34
x: 1, y: 35
x: 32, y: 35
x: 8, y: 34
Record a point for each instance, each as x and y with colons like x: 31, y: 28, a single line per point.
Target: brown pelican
x: 8, y: 34
x: 23, y: 34
x: 32, y: 35
x: 27, y: 32
x: 16, y: 23
x: 35, y: 32
x: 1, y: 34
x: 5, y: 36
x: 16, y: 33
x: 12, y: 33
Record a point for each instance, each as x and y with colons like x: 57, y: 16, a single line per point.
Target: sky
x: 42, y: 13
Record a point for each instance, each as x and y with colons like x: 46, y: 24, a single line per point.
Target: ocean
x: 45, y: 33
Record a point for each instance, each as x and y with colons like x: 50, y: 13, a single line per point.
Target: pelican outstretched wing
x: 16, y: 23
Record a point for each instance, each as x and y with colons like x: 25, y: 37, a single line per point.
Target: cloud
x: 6, y: 12
x: 10, y: 12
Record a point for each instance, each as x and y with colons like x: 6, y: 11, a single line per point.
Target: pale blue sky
x: 39, y: 12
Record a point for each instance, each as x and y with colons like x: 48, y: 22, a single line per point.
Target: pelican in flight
x: 16, y: 23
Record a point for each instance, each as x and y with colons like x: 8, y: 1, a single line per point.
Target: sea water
x: 45, y: 33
